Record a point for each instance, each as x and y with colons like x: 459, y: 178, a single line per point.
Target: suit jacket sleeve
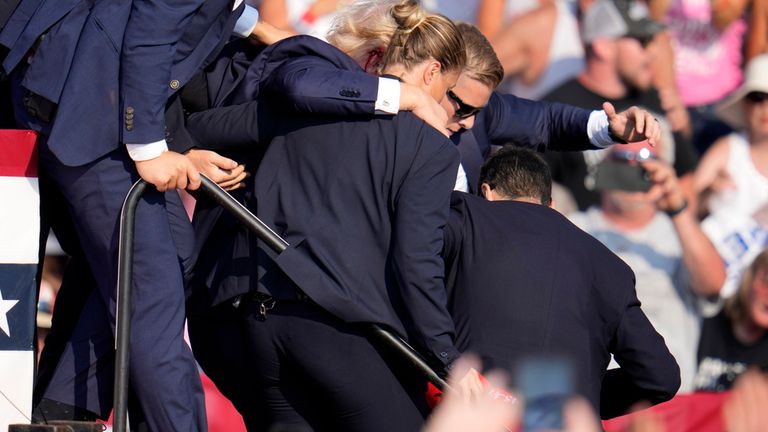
x: 149, y: 46
x: 421, y: 212
x: 308, y: 84
x: 311, y: 84
x: 648, y: 371
x: 537, y: 125
x: 229, y: 127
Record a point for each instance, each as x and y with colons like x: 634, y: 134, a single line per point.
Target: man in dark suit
x: 93, y: 78
x: 524, y: 281
x: 362, y: 203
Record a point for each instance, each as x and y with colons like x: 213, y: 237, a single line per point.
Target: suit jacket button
x: 174, y: 84
x: 129, y: 116
x: 129, y: 110
x: 129, y: 127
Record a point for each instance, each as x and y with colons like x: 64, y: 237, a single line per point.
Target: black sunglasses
x: 756, y: 97
x: 464, y: 110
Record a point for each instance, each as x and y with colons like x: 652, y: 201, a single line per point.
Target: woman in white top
x: 733, y: 174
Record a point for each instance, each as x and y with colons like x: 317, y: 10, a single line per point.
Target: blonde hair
x: 409, y: 33
x: 482, y: 62
x: 363, y: 26
x: 737, y: 306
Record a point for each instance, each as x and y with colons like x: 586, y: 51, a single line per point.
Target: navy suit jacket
x: 362, y: 202
x: 106, y: 64
x: 523, y: 280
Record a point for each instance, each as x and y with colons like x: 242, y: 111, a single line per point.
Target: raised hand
x: 665, y: 185
x: 633, y: 124
x: 424, y: 106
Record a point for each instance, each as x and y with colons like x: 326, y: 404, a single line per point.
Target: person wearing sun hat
x: 733, y: 176
x: 755, y: 84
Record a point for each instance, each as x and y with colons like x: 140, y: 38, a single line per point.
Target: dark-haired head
x: 517, y: 174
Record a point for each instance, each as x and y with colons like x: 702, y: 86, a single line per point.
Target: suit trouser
x: 163, y: 373
x: 306, y: 370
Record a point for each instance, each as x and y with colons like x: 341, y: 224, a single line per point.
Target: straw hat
x: 755, y: 79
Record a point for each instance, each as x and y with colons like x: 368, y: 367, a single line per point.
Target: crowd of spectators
x: 688, y: 215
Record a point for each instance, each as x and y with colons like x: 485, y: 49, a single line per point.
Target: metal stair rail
x: 265, y: 234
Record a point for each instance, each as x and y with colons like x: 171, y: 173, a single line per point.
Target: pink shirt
x: 707, y: 62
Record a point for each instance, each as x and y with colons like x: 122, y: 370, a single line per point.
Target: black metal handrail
x: 123, y: 308
x: 265, y: 234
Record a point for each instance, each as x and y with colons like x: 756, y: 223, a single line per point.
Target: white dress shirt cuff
x: 388, y: 96
x: 143, y: 152
x: 462, y: 184
x: 597, y: 130
x: 247, y: 21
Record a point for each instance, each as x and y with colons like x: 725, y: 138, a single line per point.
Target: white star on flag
x: 5, y: 306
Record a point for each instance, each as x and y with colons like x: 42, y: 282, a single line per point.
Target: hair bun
x: 408, y: 15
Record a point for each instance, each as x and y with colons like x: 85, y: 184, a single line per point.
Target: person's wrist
x: 673, y: 212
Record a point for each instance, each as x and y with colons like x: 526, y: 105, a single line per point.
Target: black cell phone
x: 545, y: 383
x: 623, y: 176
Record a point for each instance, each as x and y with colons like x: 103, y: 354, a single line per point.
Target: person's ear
x: 373, y: 60
x: 431, y: 71
x: 487, y: 192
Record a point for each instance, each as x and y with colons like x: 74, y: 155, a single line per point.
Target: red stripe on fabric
x: 18, y: 153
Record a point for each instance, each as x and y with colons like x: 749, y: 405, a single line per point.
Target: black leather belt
x: 266, y: 302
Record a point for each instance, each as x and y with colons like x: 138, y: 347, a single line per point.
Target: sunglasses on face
x: 756, y: 97
x: 464, y: 110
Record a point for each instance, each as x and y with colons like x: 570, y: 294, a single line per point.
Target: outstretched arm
x: 312, y: 84
x: 543, y: 125
x: 538, y: 125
